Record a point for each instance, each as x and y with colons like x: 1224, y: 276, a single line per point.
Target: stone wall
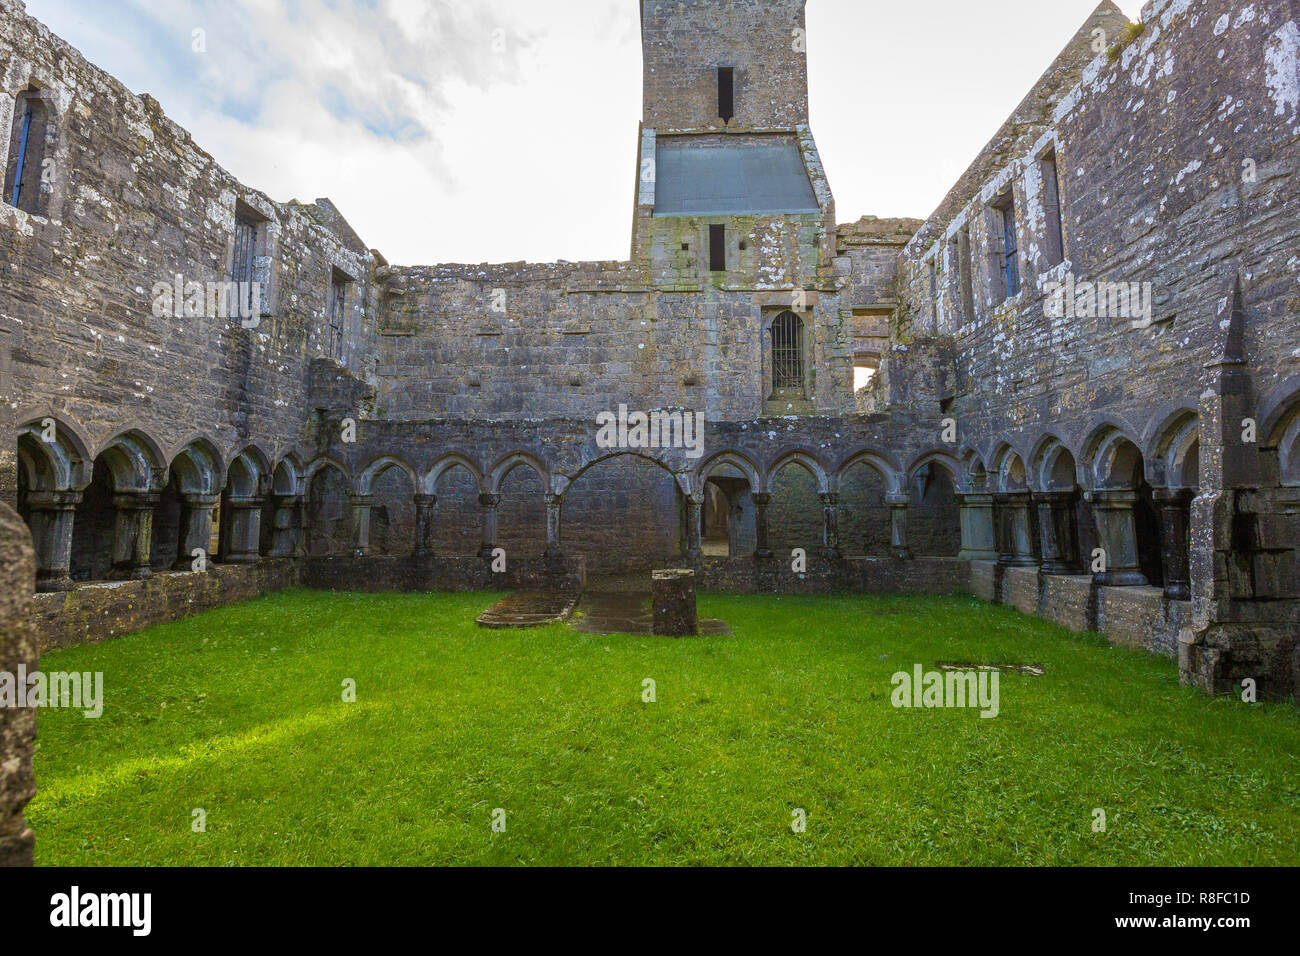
x: 423, y: 574
x: 96, y: 612
x: 1185, y: 188
x: 579, y: 340
x: 685, y: 41
x: 18, y: 648
x: 852, y: 575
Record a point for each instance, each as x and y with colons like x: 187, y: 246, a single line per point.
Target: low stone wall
x: 435, y: 573
x: 18, y: 647
x: 1068, y: 600
x: 1143, y: 618
x: 1140, y: 617
x: 99, y: 611
x: 1020, y: 589
x: 854, y: 575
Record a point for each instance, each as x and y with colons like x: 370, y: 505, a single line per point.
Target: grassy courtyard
x: 240, y: 713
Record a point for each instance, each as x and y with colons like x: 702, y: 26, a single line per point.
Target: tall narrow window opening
x: 25, y: 162
x: 717, y: 248
x: 244, y: 264
x: 964, y: 275
x: 24, y: 141
x: 1055, y: 237
x: 726, y: 93
x: 787, y: 351
x: 1005, y: 210
x: 336, y: 308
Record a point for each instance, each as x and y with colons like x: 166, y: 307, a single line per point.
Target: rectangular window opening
x: 726, y: 93
x: 964, y: 275
x: 25, y: 161
x: 336, y: 309
x: 24, y: 144
x: 717, y: 248
x: 244, y: 263
x: 1009, y: 266
x: 787, y: 353
x: 1055, y: 238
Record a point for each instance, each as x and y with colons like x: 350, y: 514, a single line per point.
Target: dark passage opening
x: 726, y: 93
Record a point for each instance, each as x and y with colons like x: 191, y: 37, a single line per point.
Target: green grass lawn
x: 239, y: 712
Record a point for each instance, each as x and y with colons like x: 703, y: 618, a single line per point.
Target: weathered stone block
x: 1067, y: 601
x: 984, y: 580
x: 17, y: 726
x: 1020, y: 589
x: 1136, y: 617
x: 673, y: 596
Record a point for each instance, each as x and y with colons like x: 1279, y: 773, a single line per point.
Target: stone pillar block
x: 673, y: 594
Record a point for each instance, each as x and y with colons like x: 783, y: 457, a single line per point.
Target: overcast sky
x: 499, y: 130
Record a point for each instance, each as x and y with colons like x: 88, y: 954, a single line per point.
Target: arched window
x: 787, y: 352
x: 26, y: 159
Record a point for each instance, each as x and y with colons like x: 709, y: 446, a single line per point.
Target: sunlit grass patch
x: 241, y: 713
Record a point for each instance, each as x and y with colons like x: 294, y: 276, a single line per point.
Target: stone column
x: 694, y: 508
x: 735, y: 524
x: 196, y: 529
x: 133, y: 534
x: 1175, y: 518
x: 978, y: 538
x: 243, y: 537
x: 1001, y: 536
x: 50, y: 516
x: 1112, y: 512
x: 1017, y: 530
x: 898, y: 524
x: 424, y: 516
x: 831, y: 526
x: 554, y: 525
x: 761, y: 501
x: 489, y: 503
x: 361, y: 524
x: 1058, y: 532
x: 283, y: 544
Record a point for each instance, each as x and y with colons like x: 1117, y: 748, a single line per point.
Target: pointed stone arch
x: 61, y: 464
x: 373, y: 470
x: 447, y: 462
x: 1171, y: 448
x: 883, y: 463
x: 727, y: 515
x: 804, y: 459
x: 135, y: 460
x: 736, y: 459
x: 517, y: 459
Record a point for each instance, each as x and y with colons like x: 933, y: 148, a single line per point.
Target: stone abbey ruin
x: 1085, y: 400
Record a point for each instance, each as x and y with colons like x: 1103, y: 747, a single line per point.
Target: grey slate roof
x: 693, y: 180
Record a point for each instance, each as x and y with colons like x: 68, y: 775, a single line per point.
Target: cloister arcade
x: 1113, y: 502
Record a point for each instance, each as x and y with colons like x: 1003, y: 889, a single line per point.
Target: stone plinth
x: 673, y: 596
